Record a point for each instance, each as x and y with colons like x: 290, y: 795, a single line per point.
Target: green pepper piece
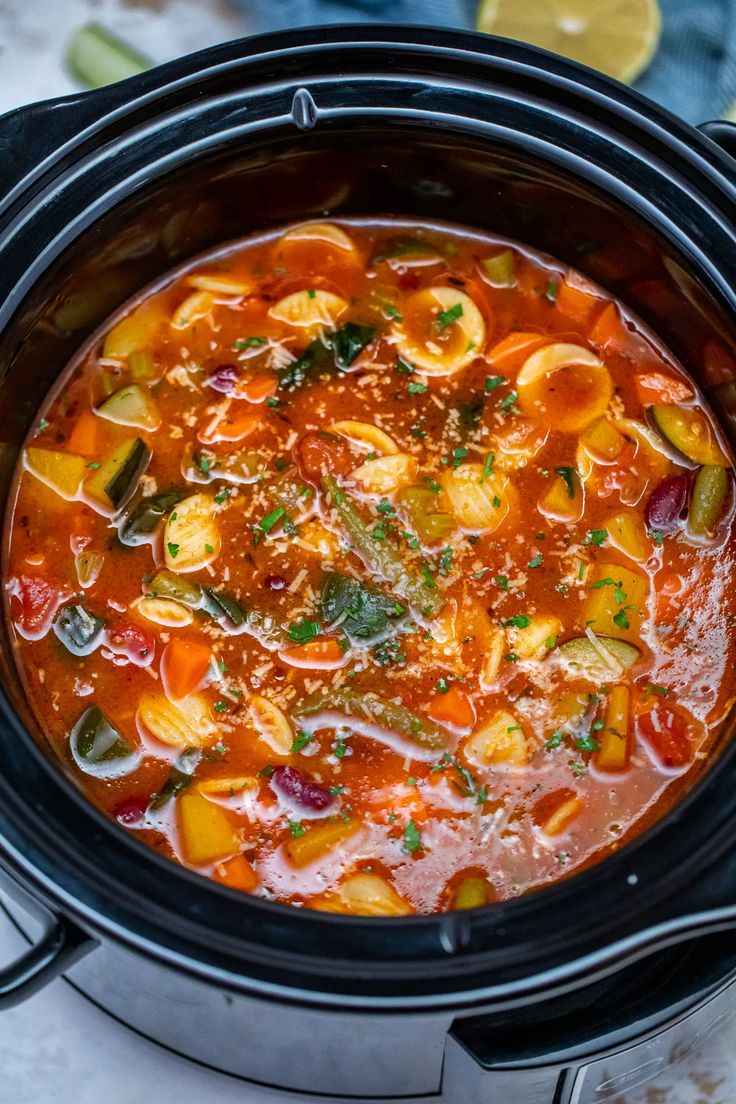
x: 78, y: 629
x: 380, y: 557
x: 145, y: 516
x: 219, y: 602
x: 367, y: 611
x: 167, y: 584
x: 387, y: 714
x: 708, y: 499
x: 98, y: 749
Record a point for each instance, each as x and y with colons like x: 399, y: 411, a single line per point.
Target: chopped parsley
x: 502, y: 582
x: 554, y: 741
x: 621, y: 619
x: 267, y: 523
x: 302, y: 740
x: 296, y: 827
x: 587, y: 743
x: 508, y: 403
x: 492, y: 382
x: 445, y: 561
x: 447, y: 317
x: 427, y: 575
x: 388, y: 653
x: 412, y: 838
x: 519, y: 621
x: 249, y: 343
x: 487, y: 467
x: 302, y: 631
x: 442, y: 685
x: 173, y: 549
x: 597, y: 537
x: 551, y: 291
x: 416, y: 388
x: 536, y: 561
x: 222, y: 496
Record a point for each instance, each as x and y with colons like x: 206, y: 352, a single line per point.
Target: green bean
x: 708, y: 500
x: 387, y: 714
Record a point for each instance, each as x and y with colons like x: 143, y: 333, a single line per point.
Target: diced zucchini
x: 132, y: 405
x: 61, y: 471
x: 708, y: 500
x: 616, y: 602
x: 420, y: 506
x: 206, y: 832
x: 165, y: 584
x: 145, y: 515
x: 113, y: 484
x: 78, y: 630
x: 98, y: 749
x: 687, y: 429
x: 500, y: 269
x: 564, y: 501
x: 580, y: 652
x: 602, y: 441
x: 367, y: 613
x: 142, y: 367
x: 219, y: 604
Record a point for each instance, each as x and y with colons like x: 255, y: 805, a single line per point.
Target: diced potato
x: 61, y: 471
x: 195, y: 306
x: 566, y: 383
x: 314, y: 537
x: 366, y: 436
x: 206, y: 832
x: 494, y: 649
x: 365, y: 895
x: 165, y: 611
x: 218, y: 283
x: 471, y: 621
x: 131, y: 406
x: 387, y: 473
x: 451, y: 331
x: 321, y: 838
x: 321, y: 231
x: 499, y: 740
x: 473, y: 893
x: 272, y: 724
x: 626, y: 532
x: 602, y: 441
x: 614, y: 739
x: 478, y: 501
x: 558, y: 503
x: 538, y: 636
x: 188, y: 723
x: 227, y: 785
x: 615, y: 608
x: 313, y: 311
x: 191, y: 535
x: 563, y: 815
x: 135, y: 331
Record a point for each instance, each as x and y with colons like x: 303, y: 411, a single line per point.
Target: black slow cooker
x: 570, y: 995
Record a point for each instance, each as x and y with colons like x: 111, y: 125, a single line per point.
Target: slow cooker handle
x: 60, y: 946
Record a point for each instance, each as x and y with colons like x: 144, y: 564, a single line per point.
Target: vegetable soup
x: 377, y: 568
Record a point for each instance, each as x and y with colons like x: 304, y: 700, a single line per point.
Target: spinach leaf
x: 333, y: 352
x: 367, y: 612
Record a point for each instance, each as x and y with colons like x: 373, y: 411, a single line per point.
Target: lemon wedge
x: 617, y: 37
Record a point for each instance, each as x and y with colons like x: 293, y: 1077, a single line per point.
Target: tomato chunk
x: 132, y: 642
x: 39, y: 600
x: 665, y: 733
x: 319, y: 454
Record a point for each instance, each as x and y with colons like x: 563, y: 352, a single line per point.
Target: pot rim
x: 440, y: 943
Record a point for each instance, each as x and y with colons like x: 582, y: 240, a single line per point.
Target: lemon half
x: 617, y: 37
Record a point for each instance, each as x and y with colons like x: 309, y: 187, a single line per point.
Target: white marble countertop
x: 57, y: 1046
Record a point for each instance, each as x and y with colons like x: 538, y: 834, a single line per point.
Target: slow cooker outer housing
x: 104, y: 192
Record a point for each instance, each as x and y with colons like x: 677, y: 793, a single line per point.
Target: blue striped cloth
x: 693, y: 73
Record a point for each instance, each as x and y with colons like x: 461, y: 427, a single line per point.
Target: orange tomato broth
x: 488, y: 738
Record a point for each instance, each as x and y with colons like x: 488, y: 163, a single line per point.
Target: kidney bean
x: 274, y: 582
x: 131, y: 811
x: 667, y: 502
x: 224, y: 378
x: 290, y: 783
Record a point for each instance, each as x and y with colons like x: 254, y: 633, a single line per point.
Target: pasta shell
x: 191, y: 536
x: 165, y: 611
x: 455, y: 331
x: 478, y: 501
x: 272, y: 724
x: 185, y: 724
x: 387, y: 474
x: 218, y: 284
x: 366, y: 436
x: 312, y: 311
x: 195, y: 306
x: 583, y: 396
x: 321, y: 231
x: 499, y: 740
x: 228, y: 785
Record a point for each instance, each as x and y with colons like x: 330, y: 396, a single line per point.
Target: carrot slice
x: 454, y: 708
x: 324, y: 655
x: 237, y: 873
x: 608, y: 328
x: 656, y: 387
x: 576, y: 304
x: 184, y: 666
x: 257, y: 389
x: 514, y: 347
x: 87, y: 436
x: 229, y: 426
